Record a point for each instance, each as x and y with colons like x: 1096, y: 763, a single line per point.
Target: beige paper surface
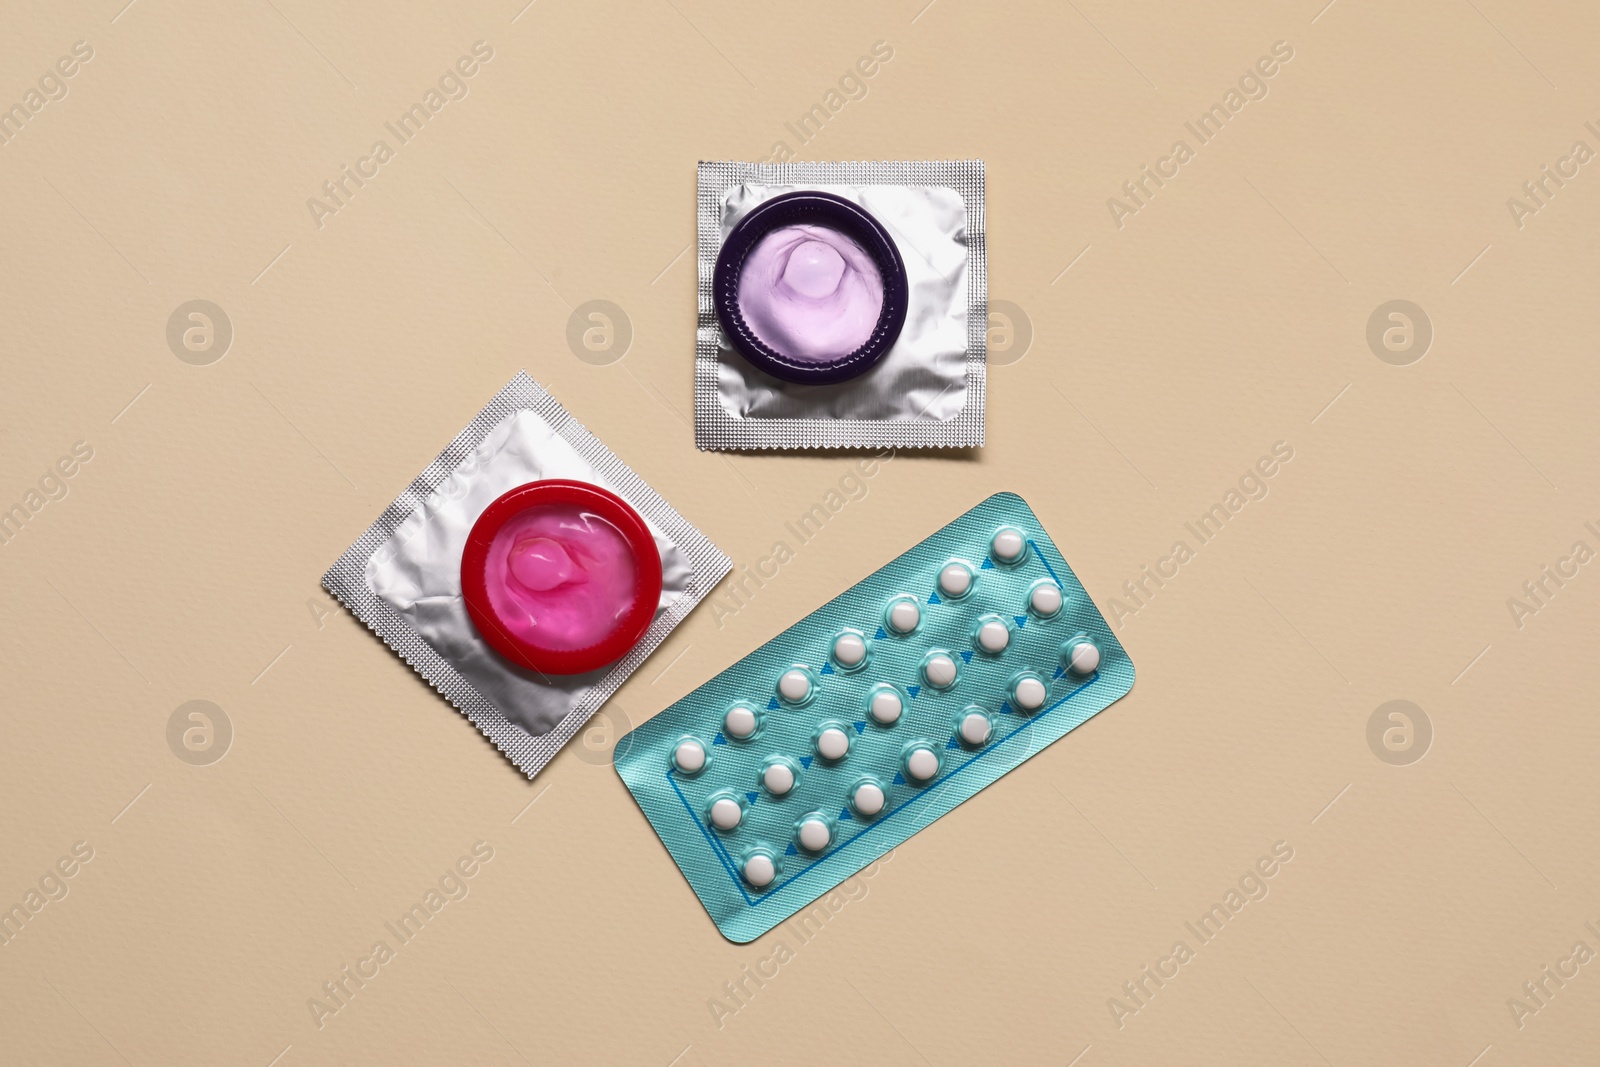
x: 183, y: 481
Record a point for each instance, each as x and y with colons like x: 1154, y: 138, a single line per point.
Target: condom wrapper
x: 403, y: 578
x: 882, y: 710
x: 812, y: 335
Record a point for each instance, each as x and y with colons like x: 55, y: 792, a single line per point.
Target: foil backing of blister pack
x: 402, y: 578
x: 679, y: 806
x: 928, y: 392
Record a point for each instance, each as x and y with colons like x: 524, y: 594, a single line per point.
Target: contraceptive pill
x: 939, y: 670
x: 689, y: 757
x: 833, y: 743
x: 726, y: 813
x: 814, y: 834
x: 1083, y: 657
x: 964, y: 693
x: 993, y: 636
x: 867, y: 798
x: 955, y: 579
x: 1028, y: 692
x: 885, y: 707
x: 759, y: 869
x: 1007, y: 546
x: 740, y: 722
x: 795, y: 685
x: 849, y: 649
x: 1044, y: 599
x: 975, y: 727
x: 904, y: 615
x: 922, y: 763
x: 778, y: 778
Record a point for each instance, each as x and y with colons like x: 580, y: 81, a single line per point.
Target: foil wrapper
x: 402, y: 578
x: 928, y: 391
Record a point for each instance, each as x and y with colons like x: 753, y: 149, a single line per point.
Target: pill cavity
x: 814, y: 834
x: 795, y: 685
x: 1007, y: 546
x: 726, y: 813
x: 955, y: 580
x: 689, y: 756
x: 868, y: 798
x: 1045, y: 600
x: 849, y: 650
x: 975, y: 728
x: 778, y: 778
x: 1084, y: 657
x: 759, y: 870
x: 904, y: 616
x: 922, y: 764
x: 740, y: 722
x: 1029, y: 693
x: 939, y: 670
x: 886, y: 707
x: 994, y: 636
x: 833, y: 743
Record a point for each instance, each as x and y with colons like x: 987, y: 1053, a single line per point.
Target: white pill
x: 939, y: 671
x: 974, y: 728
x: 904, y: 616
x: 849, y: 650
x: 814, y: 835
x: 955, y: 580
x: 759, y: 870
x: 689, y: 756
x: 994, y: 636
x: 1029, y: 694
x: 1045, y: 599
x: 740, y: 722
x: 832, y: 743
x: 795, y: 685
x: 922, y: 764
x: 868, y: 798
x: 886, y: 707
x: 1007, y: 546
x: 1084, y: 658
x: 726, y: 813
x: 778, y: 778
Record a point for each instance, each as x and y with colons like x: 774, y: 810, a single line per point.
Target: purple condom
x: 810, y: 288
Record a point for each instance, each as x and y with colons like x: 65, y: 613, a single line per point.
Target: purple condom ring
x: 820, y: 267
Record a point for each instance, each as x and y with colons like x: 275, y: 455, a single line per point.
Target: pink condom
x: 561, y: 577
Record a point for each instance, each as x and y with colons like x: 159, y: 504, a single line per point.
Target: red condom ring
x: 592, y: 609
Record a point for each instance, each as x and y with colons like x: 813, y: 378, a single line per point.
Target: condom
x: 525, y: 574
x: 560, y: 577
x: 811, y: 289
x: 810, y: 293
x: 841, y: 305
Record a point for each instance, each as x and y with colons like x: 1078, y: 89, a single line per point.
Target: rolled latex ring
x: 561, y: 577
x: 826, y: 211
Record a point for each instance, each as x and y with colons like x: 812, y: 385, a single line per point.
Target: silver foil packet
x: 927, y: 391
x: 402, y: 578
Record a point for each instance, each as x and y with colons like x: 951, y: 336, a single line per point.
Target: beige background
x: 1229, y: 313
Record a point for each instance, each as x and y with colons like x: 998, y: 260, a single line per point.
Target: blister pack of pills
x: 874, y: 715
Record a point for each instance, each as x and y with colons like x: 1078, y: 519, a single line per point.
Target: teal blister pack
x: 874, y: 715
